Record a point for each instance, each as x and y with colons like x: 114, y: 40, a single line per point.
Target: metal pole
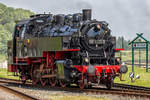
x: 132, y: 58
x: 122, y: 42
x: 146, y: 57
x: 121, y: 55
x: 139, y: 57
x: 122, y: 48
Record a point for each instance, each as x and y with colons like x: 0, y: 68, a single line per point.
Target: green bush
x: 8, y: 16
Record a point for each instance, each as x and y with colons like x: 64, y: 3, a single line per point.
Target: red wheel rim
x: 34, y: 78
x: 81, y: 81
x: 34, y: 82
x: 52, y: 82
x: 43, y: 81
x: 81, y: 85
x: 62, y: 83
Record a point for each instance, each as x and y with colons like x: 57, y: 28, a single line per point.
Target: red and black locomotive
x: 64, y: 49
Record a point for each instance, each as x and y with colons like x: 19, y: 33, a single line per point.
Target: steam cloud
x: 125, y: 17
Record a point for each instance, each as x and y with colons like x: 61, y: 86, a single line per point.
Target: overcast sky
x: 125, y: 17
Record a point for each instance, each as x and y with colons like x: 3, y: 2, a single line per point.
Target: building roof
x: 139, y: 36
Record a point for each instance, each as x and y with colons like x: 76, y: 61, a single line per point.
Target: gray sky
x: 125, y: 17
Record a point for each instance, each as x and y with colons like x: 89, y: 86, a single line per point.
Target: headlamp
x: 98, y: 26
x: 86, y: 60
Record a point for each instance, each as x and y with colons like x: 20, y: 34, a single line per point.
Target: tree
x: 122, y: 43
x: 8, y: 17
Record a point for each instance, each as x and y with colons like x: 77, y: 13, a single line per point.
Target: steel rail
x: 120, y: 89
x: 17, y: 93
x: 133, y: 87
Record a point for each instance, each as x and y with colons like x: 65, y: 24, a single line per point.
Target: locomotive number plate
x: 91, y: 41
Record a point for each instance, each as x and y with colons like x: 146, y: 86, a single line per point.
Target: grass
x: 144, y: 76
x: 127, y: 55
x: 61, y: 97
x: 143, y: 81
x: 5, y: 74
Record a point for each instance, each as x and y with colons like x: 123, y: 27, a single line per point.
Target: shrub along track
x: 120, y: 89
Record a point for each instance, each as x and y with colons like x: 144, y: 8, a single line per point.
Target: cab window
x: 20, y: 31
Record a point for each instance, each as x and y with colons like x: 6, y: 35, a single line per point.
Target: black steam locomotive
x: 64, y: 49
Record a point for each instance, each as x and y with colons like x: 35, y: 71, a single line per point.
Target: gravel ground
x: 49, y: 94
x: 8, y: 96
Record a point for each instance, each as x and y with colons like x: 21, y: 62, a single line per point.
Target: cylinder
x: 59, y: 19
x: 87, y: 13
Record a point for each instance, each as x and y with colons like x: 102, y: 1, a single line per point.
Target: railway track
x: 17, y: 93
x: 133, y: 87
x: 100, y: 91
x: 119, y: 89
x: 120, y: 92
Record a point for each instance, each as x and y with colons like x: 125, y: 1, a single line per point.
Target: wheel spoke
x: 81, y: 81
x: 43, y: 81
x: 52, y: 82
x: 62, y: 83
x: 34, y: 78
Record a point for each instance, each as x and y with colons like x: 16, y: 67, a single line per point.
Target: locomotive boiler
x: 64, y: 49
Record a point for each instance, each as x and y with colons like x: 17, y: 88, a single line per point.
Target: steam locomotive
x: 64, y: 49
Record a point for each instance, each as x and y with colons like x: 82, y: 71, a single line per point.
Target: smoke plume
x: 125, y: 17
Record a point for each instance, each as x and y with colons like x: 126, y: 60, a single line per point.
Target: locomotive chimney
x: 86, y: 14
